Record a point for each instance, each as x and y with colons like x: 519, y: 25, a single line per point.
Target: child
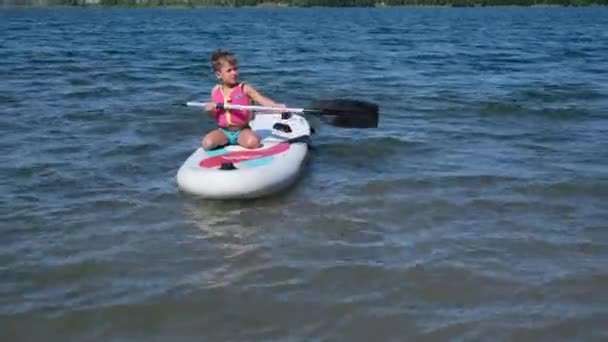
x: 233, y: 125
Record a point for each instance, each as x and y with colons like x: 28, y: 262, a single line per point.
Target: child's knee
x: 252, y: 141
x: 208, y: 143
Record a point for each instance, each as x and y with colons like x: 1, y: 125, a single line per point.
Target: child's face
x: 228, y: 73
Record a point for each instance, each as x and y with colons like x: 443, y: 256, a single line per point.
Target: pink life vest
x: 231, y: 117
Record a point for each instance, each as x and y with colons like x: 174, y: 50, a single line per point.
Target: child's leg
x: 248, y: 139
x: 214, y: 139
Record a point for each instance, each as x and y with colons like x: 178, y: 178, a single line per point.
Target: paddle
x: 341, y: 112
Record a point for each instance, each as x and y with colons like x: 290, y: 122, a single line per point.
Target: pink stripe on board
x: 239, y: 156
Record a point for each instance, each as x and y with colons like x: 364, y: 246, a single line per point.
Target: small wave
x: 562, y: 112
x: 548, y: 92
x: 559, y: 101
x: 93, y: 92
x: 372, y: 147
x: 134, y: 150
x: 564, y: 189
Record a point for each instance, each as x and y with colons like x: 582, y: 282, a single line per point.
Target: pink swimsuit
x: 231, y: 117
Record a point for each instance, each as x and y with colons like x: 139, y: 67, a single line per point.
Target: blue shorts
x: 232, y: 136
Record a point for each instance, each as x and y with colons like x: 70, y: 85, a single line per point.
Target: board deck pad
x: 234, y: 157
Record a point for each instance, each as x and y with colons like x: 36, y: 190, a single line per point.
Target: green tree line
x: 299, y: 3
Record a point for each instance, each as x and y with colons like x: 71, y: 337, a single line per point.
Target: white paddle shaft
x: 241, y: 107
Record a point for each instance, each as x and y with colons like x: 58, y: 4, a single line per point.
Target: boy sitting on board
x: 233, y: 125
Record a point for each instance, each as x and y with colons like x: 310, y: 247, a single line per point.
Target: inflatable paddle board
x: 234, y: 172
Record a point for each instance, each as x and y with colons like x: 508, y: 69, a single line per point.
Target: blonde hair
x: 220, y: 56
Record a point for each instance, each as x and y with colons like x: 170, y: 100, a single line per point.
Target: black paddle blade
x: 348, y: 113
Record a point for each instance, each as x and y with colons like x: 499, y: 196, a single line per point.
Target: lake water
x: 476, y: 211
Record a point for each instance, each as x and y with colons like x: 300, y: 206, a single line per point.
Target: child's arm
x: 210, y: 107
x: 259, y: 98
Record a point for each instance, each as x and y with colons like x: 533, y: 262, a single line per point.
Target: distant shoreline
x: 181, y: 4
x: 287, y: 6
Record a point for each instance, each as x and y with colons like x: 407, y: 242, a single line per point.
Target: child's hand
x: 210, y: 107
x: 279, y: 105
